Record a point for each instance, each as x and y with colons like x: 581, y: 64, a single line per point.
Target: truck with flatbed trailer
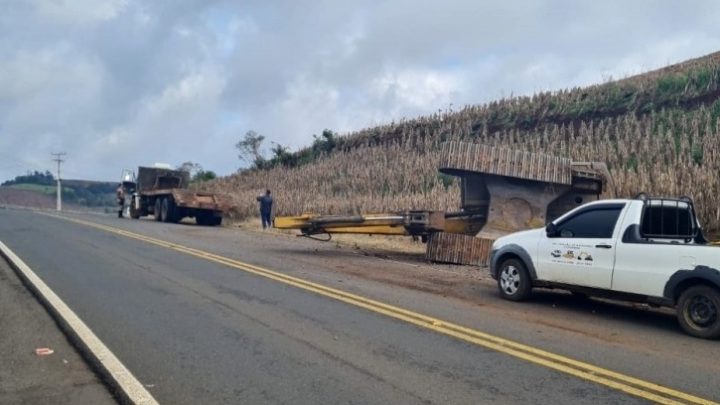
x: 649, y: 250
x: 163, y: 193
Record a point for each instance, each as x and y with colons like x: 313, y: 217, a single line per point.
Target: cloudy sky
x: 121, y: 83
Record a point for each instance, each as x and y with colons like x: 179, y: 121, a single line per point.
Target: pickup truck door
x: 582, y: 250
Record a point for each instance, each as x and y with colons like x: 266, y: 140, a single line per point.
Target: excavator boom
x: 406, y: 223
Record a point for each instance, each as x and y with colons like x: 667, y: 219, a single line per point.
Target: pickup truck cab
x: 644, y: 249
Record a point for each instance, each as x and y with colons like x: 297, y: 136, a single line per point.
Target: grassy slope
x: 75, y: 192
x: 15, y: 196
x: 36, y: 188
x: 658, y: 132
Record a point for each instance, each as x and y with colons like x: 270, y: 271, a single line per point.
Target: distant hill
x: 38, y: 190
x: 658, y: 132
x: 12, y: 196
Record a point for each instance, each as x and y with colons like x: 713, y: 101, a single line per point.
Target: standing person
x: 266, y: 202
x: 120, y: 194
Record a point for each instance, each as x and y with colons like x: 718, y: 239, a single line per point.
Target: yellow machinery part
x: 292, y: 222
x: 407, y: 223
x: 371, y: 230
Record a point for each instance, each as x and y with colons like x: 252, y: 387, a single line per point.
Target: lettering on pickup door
x: 570, y: 253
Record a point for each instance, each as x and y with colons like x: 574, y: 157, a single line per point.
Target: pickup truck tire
x: 156, y: 211
x: 513, y: 280
x: 698, y: 311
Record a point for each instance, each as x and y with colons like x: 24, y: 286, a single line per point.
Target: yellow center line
x: 585, y: 371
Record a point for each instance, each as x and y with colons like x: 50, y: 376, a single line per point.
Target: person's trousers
x: 266, y: 222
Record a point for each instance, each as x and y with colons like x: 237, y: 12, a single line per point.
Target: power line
x: 59, y: 160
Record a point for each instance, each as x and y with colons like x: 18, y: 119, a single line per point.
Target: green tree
x: 190, y: 167
x: 281, y: 155
x: 204, y: 175
x: 324, y: 143
x: 250, y: 148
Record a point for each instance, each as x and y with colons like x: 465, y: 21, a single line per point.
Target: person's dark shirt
x: 265, y: 203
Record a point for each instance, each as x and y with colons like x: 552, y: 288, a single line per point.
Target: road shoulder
x: 25, y: 377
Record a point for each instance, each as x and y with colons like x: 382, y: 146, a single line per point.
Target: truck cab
x: 644, y: 249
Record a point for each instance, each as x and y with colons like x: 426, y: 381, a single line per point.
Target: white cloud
x: 26, y: 75
x: 127, y: 82
x: 171, y: 126
x: 415, y: 89
x: 79, y: 11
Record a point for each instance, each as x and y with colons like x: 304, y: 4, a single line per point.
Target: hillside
x: 658, y: 132
x: 11, y: 196
x: 38, y: 191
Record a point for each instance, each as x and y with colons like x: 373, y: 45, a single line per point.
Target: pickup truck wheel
x: 698, y: 311
x: 513, y: 280
x: 158, y: 208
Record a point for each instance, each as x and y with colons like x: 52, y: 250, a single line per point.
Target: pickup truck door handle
x: 603, y: 246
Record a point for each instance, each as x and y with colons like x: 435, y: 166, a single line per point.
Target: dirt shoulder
x: 28, y: 378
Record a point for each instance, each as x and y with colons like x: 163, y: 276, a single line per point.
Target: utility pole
x: 59, y: 160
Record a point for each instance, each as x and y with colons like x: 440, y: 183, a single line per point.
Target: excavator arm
x: 405, y: 223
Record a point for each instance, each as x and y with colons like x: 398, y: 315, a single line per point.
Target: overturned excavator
x: 502, y: 191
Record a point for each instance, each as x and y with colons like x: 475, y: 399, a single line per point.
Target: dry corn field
x: 669, y: 151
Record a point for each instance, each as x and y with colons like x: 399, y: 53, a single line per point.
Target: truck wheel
x: 201, y: 219
x: 158, y: 208
x: 207, y: 219
x: 513, y: 280
x: 167, y: 210
x: 173, y: 212
x: 134, y: 214
x: 698, y: 311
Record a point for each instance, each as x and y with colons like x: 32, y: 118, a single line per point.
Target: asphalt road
x: 195, y: 331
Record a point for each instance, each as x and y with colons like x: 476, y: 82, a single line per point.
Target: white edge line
x: 124, y: 383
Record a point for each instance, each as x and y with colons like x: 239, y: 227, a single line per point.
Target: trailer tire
x: 173, y: 211
x: 158, y: 207
x: 207, y: 219
x: 168, y: 210
x: 201, y: 219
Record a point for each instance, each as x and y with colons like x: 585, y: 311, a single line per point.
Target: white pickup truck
x: 644, y: 249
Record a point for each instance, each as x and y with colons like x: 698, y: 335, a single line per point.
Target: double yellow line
x: 585, y: 371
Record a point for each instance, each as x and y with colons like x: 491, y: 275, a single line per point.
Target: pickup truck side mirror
x: 551, y: 230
